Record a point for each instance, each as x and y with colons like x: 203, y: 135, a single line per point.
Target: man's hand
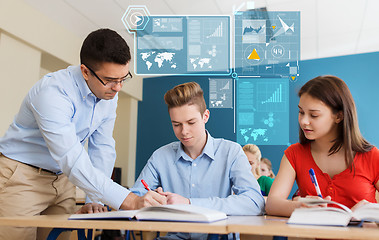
x: 92, y: 208
x: 151, y: 198
x: 173, y: 198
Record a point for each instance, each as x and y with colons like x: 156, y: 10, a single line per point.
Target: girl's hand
x: 360, y: 203
x: 305, y: 205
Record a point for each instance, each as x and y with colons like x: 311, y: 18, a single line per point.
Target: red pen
x: 145, y: 185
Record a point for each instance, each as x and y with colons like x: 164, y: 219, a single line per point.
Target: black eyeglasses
x: 112, y: 83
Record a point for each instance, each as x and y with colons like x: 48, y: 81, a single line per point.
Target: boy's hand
x: 173, y: 198
x: 151, y: 198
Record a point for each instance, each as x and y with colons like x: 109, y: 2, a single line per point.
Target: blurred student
x: 346, y: 165
x: 199, y: 169
x: 266, y: 168
x: 254, y: 156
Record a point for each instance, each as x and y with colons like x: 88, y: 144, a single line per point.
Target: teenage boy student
x: 42, y: 155
x: 199, y: 169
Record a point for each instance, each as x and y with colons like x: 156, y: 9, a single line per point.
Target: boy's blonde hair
x: 186, y: 93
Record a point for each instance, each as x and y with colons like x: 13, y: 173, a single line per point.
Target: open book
x: 332, y: 216
x: 181, y: 213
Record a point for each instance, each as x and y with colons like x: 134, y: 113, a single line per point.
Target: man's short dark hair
x: 104, y: 45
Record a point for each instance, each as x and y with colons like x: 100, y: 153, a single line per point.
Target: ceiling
x: 328, y: 27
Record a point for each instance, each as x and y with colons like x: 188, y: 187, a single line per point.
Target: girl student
x: 254, y: 156
x: 330, y: 142
x: 266, y: 168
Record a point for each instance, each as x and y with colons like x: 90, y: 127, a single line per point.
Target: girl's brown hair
x: 334, y: 92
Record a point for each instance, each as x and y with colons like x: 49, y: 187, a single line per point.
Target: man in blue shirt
x: 199, y: 169
x: 42, y: 155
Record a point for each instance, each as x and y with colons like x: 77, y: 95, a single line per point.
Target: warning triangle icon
x: 254, y: 55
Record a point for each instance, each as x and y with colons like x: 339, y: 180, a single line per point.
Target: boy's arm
x: 247, y: 198
x: 150, y: 175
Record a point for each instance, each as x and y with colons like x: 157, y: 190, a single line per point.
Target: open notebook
x: 332, y: 216
x: 181, y: 213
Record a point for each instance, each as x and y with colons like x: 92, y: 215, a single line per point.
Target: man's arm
x: 53, y: 111
x: 101, y: 145
x: 131, y: 202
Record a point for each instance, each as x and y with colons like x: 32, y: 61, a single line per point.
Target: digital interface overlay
x: 262, y: 113
x: 267, y: 44
x: 184, y: 45
x: 220, y: 93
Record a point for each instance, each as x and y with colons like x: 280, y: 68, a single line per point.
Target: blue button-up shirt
x: 57, y: 117
x: 209, y: 180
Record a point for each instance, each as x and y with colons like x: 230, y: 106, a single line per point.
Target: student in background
x: 346, y: 165
x: 43, y: 155
x: 199, y: 169
x: 266, y: 168
x: 254, y: 156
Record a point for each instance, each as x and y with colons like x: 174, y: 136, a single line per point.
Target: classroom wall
x: 358, y: 71
x: 125, y: 135
x: 19, y: 68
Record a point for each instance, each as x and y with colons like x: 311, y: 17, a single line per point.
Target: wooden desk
x: 276, y: 226
x: 61, y: 221
x: 251, y: 225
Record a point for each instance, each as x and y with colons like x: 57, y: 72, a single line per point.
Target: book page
x: 326, y: 216
x: 121, y: 214
x: 178, y: 212
x: 367, y: 212
x: 317, y: 201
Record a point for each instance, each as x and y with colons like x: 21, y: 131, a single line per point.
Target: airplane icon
x: 284, y: 28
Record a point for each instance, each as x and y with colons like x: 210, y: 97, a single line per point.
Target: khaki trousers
x: 26, y: 191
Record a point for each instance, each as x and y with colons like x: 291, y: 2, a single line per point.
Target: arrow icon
x: 137, y: 19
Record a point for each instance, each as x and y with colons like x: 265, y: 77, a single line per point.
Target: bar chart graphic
x: 276, y: 97
x: 218, y: 32
x: 271, y: 97
x: 262, y: 111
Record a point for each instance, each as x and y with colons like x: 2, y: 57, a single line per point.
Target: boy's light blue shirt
x: 208, y: 180
x: 57, y: 117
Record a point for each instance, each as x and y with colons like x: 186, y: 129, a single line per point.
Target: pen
x: 145, y: 185
x: 314, y: 181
